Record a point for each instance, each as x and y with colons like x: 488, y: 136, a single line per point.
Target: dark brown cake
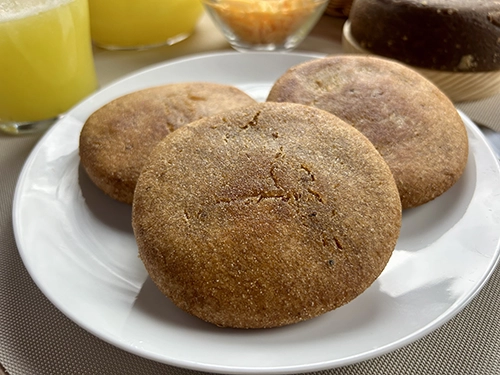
x: 265, y: 216
x: 410, y: 121
x: 446, y: 35
x: 116, y: 140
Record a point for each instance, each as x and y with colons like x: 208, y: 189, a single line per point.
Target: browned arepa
x: 453, y: 43
x: 413, y: 125
x: 116, y: 139
x: 265, y: 216
x: 445, y: 35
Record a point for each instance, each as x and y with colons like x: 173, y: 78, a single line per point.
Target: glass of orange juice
x: 46, y: 62
x: 141, y: 24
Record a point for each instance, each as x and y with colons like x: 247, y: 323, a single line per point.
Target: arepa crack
x: 253, y: 122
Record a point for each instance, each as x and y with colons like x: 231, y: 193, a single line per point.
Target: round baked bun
x: 413, y: 125
x: 265, y: 216
x: 116, y: 139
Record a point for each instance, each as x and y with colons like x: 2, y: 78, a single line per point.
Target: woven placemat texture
x: 35, y: 338
x: 485, y: 111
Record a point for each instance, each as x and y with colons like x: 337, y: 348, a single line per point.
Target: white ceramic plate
x: 78, y: 246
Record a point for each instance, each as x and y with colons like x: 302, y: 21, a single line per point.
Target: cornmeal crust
x: 116, y: 139
x: 413, y: 125
x: 265, y: 216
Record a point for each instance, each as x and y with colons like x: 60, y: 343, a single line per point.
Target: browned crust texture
x: 413, y: 125
x: 447, y: 35
x: 116, y: 139
x: 265, y: 216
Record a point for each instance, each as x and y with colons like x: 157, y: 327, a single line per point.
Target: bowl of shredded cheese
x: 265, y: 25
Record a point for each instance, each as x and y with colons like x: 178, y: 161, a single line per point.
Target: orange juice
x: 129, y: 24
x: 46, y: 62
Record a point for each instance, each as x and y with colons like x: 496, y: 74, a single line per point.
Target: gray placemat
x: 35, y: 338
x: 485, y: 111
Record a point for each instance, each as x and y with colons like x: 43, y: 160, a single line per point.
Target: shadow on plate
x: 159, y: 310
x: 424, y: 224
x: 112, y: 213
x: 152, y: 303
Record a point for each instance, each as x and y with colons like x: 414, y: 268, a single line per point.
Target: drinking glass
x: 142, y: 24
x: 46, y: 63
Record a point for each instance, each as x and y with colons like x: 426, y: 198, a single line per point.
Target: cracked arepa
x: 116, y: 139
x: 265, y: 216
x: 413, y: 125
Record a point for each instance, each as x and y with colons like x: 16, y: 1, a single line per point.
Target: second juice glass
x: 134, y: 24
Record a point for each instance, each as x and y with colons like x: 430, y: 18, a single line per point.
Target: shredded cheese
x: 265, y: 22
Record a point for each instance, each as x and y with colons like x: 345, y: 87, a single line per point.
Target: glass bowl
x: 265, y: 25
